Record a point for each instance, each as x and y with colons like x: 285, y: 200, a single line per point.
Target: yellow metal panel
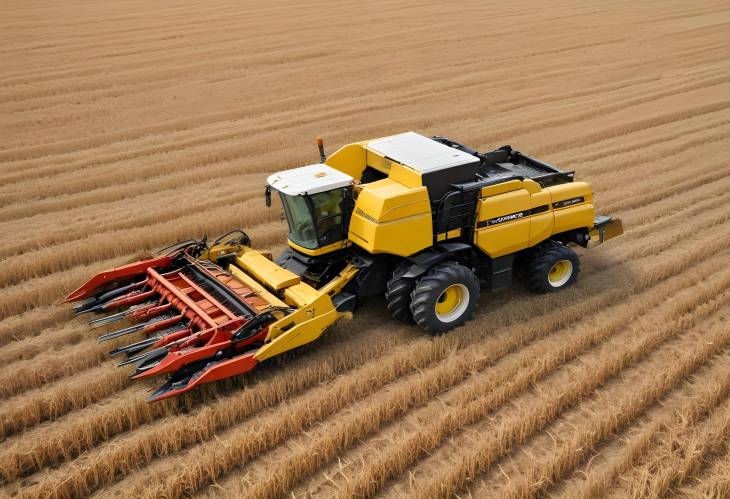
x: 386, y: 200
x: 377, y: 161
x: 493, y: 190
x: 345, y: 276
x: 265, y: 271
x: 614, y: 228
x: 541, y: 227
x: 320, y: 251
x: 540, y: 198
x: 574, y: 217
x: 571, y: 190
x: 531, y: 186
x: 541, y: 224
x: 503, y: 204
x: 298, y: 335
x: 301, y: 295
x: 349, y: 159
x: 402, y: 237
x: 315, y: 313
x: 505, y: 238
x: 255, y: 286
x: 405, y: 175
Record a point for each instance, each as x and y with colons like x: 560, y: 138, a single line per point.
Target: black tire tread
x: 542, y: 261
x: 398, y: 294
x: 448, y: 272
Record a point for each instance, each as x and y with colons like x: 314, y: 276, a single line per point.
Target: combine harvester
x: 425, y: 221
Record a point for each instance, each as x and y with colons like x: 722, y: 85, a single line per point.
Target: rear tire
x: 445, y: 298
x: 553, y: 268
x: 398, y: 294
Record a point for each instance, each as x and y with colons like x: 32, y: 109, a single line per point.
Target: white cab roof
x: 309, y: 179
x: 420, y: 153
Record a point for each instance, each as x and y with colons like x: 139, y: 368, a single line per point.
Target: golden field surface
x: 126, y: 126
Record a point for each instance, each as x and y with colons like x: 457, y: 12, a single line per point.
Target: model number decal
x: 502, y: 219
x: 506, y: 218
x: 568, y: 202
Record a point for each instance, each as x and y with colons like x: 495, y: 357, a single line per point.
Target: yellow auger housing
x: 425, y: 222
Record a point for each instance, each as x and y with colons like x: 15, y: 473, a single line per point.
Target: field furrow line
x: 178, y: 167
x: 717, y: 484
x: 508, y: 435
x: 28, y: 347
x: 142, y: 213
x: 98, y: 206
x: 645, y: 144
x: 156, y: 170
x: 647, y: 194
x: 75, y: 252
x: 689, y: 145
x: 264, y: 389
x: 45, y: 290
x: 688, y: 408
x: 531, y: 330
x: 33, y: 323
x: 396, y: 458
x: 537, y: 327
x: 537, y: 477
x: 235, y: 211
x: 332, y: 441
x: 217, y: 61
x: 10, y: 155
x: 625, y: 129
x: 285, y: 104
x: 54, y: 401
x: 688, y: 454
x: 23, y: 376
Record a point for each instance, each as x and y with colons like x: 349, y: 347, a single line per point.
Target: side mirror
x: 267, y: 196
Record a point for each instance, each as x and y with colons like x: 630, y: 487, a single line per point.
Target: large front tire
x: 446, y: 297
x: 398, y: 294
x: 553, y: 267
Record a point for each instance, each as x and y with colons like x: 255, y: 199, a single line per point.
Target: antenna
x: 320, y: 145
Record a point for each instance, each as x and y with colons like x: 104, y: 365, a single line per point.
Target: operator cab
x: 317, y: 202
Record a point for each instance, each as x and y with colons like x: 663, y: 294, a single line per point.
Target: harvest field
x: 126, y: 126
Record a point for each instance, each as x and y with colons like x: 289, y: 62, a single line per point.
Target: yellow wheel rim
x: 452, y: 302
x: 560, y: 273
